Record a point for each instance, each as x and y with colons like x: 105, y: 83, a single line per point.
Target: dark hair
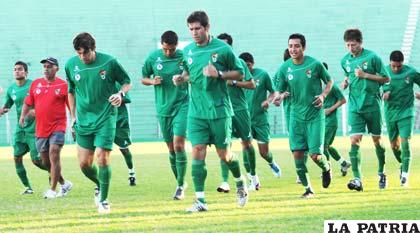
x: 25, y: 66
x: 84, y: 40
x: 169, y: 37
x: 300, y: 37
x: 353, y: 34
x: 225, y: 36
x: 247, y: 57
x: 286, y: 54
x: 396, y: 56
x: 199, y: 16
x: 325, y: 65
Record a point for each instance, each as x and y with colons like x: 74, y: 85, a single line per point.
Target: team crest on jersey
x: 77, y: 77
x: 348, y: 69
x: 102, y: 73
x: 257, y: 82
x: 159, y: 66
x: 190, y: 61
x: 309, y: 73
x: 289, y: 69
x: 290, y: 76
x: 365, y: 65
x: 214, y: 57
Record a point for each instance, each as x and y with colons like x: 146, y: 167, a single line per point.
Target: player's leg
x: 85, y: 154
x: 302, y: 172
x: 374, y: 125
x: 167, y: 132
x: 19, y: 150
x: 357, y: 127
x: 262, y: 136
x: 122, y: 139
x: 56, y: 142
x: 179, y: 128
x: 35, y: 156
x: 393, y: 135
x: 405, y: 127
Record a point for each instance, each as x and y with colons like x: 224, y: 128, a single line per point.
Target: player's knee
x: 18, y: 159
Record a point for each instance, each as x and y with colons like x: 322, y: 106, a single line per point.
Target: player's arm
x: 179, y: 79
x: 147, y: 81
x: 25, y: 111
x: 373, y: 77
x: 7, y: 105
x: 337, y: 104
x: 250, y: 84
x: 319, y: 99
x: 345, y: 83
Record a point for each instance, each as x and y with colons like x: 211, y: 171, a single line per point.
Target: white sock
x: 199, y: 194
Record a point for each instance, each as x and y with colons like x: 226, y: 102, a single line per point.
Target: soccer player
x: 49, y: 95
x: 241, y: 124
x: 122, y: 137
x: 399, y: 110
x: 332, y: 102
x: 171, y: 103
x: 364, y: 74
x: 93, y: 100
x: 258, y: 102
x: 209, y: 62
x: 303, y: 76
x: 24, y: 137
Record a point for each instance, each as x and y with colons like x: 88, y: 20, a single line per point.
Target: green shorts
x: 20, y: 148
x: 307, y: 135
x: 330, y: 132
x: 402, y: 128
x: 261, y: 132
x: 207, y: 132
x: 358, y: 122
x: 241, y: 125
x: 174, y: 125
x: 122, y: 133
x: 102, y: 137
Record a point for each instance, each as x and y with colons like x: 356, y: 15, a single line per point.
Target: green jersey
x: 256, y: 96
x: 16, y: 95
x: 237, y: 94
x: 364, y: 94
x: 168, y: 97
x: 209, y: 96
x: 304, y: 82
x: 333, y: 97
x: 400, y: 103
x: 92, y: 85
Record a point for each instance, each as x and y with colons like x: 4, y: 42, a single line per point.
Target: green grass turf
x: 148, y: 207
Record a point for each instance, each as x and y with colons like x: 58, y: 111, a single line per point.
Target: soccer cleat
x: 132, y: 181
x: 254, y: 184
x: 382, y: 181
x: 223, y: 187
x: 180, y: 192
x: 298, y: 181
x: 50, y: 194
x: 276, y: 169
x: 242, y: 195
x: 96, y: 196
x: 27, y: 191
x: 326, y: 178
x: 104, y: 207
x: 197, y: 206
x: 65, y: 189
x: 345, y: 167
x: 355, y: 184
x: 404, y: 182
x: 308, y: 194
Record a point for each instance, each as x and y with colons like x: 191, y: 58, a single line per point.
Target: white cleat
x: 254, y: 184
x: 197, y: 207
x: 223, y: 187
x: 50, y: 194
x: 275, y: 169
x: 27, y: 191
x: 65, y: 189
x: 104, y: 208
x: 242, y: 195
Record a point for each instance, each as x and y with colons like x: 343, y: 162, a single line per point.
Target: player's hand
x: 229, y: 82
x: 328, y: 111
x: 265, y: 104
x: 22, y: 121
x: 177, y: 79
x: 157, y: 80
x: 73, y: 130
x: 418, y: 95
x: 344, y: 84
x: 359, y: 73
x: 210, y: 71
x: 385, y: 96
x: 319, y: 101
x: 3, y: 111
x: 115, y: 99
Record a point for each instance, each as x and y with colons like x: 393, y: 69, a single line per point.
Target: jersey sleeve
x: 323, y: 73
x: 337, y: 92
x: 8, y: 101
x: 29, y: 99
x: 70, y: 82
x: 280, y: 81
x: 233, y: 62
x: 379, y: 67
x: 268, y: 83
x: 346, y: 74
x: 416, y: 78
x: 147, y: 69
x: 119, y: 73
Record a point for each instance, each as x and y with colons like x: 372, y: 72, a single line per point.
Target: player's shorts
x: 122, y: 133
x: 261, y: 132
x: 102, y: 137
x: 402, y: 128
x: 358, y: 122
x: 28, y: 144
x: 330, y: 132
x: 307, y: 135
x: 207, y: 132
x: 43, y: 144
x: 241, y: 125
x: 174, y: 125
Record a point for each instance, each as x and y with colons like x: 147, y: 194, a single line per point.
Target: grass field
x: 148, y: 207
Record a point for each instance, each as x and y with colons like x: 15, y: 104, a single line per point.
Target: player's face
x: 354, y: 47
x: 86, y: 56
x: 198, y: 32
x: 250, y: 65
x: 19, y: 72
x: 396, y: 66
x: 168, y: 49
x: 50, y: 70
x: 296, y: 49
